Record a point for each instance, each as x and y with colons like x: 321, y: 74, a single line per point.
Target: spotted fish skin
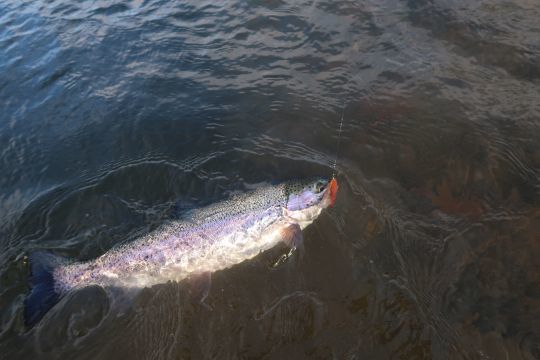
x: 209, y: 239
x: 212, y: 239
x: 173, y: 252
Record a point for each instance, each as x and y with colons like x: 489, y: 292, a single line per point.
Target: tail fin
x: 42, y: 296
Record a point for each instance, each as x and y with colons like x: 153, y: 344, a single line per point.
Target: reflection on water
x: 117, y: 115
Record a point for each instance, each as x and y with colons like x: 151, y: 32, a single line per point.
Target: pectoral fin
x: 292, y: 236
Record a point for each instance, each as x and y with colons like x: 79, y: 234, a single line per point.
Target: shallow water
x: 117, y: 115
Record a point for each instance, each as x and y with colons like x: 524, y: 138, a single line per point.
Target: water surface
x: 118, y: 115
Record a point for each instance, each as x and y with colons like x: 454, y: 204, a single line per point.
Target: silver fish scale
x: 215, y: 238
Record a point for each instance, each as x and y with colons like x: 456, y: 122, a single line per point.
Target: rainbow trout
x: 212, y: 238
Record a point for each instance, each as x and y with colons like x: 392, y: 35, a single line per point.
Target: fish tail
x: 43, y: 295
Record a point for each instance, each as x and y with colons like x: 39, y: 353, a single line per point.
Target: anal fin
x: 199, y: 287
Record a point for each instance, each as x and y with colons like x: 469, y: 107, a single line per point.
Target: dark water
x: 116, y: 114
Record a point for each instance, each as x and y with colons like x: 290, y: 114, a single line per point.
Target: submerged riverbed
x: 119, y: 115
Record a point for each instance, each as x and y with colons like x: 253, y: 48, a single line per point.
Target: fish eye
x: 319, y: 186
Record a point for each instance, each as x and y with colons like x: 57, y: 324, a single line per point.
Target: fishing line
x: 334, y: 167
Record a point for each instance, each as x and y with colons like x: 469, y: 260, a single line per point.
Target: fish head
x: 306, y: 199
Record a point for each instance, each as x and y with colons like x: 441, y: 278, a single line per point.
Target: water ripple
x: 115, y: 114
